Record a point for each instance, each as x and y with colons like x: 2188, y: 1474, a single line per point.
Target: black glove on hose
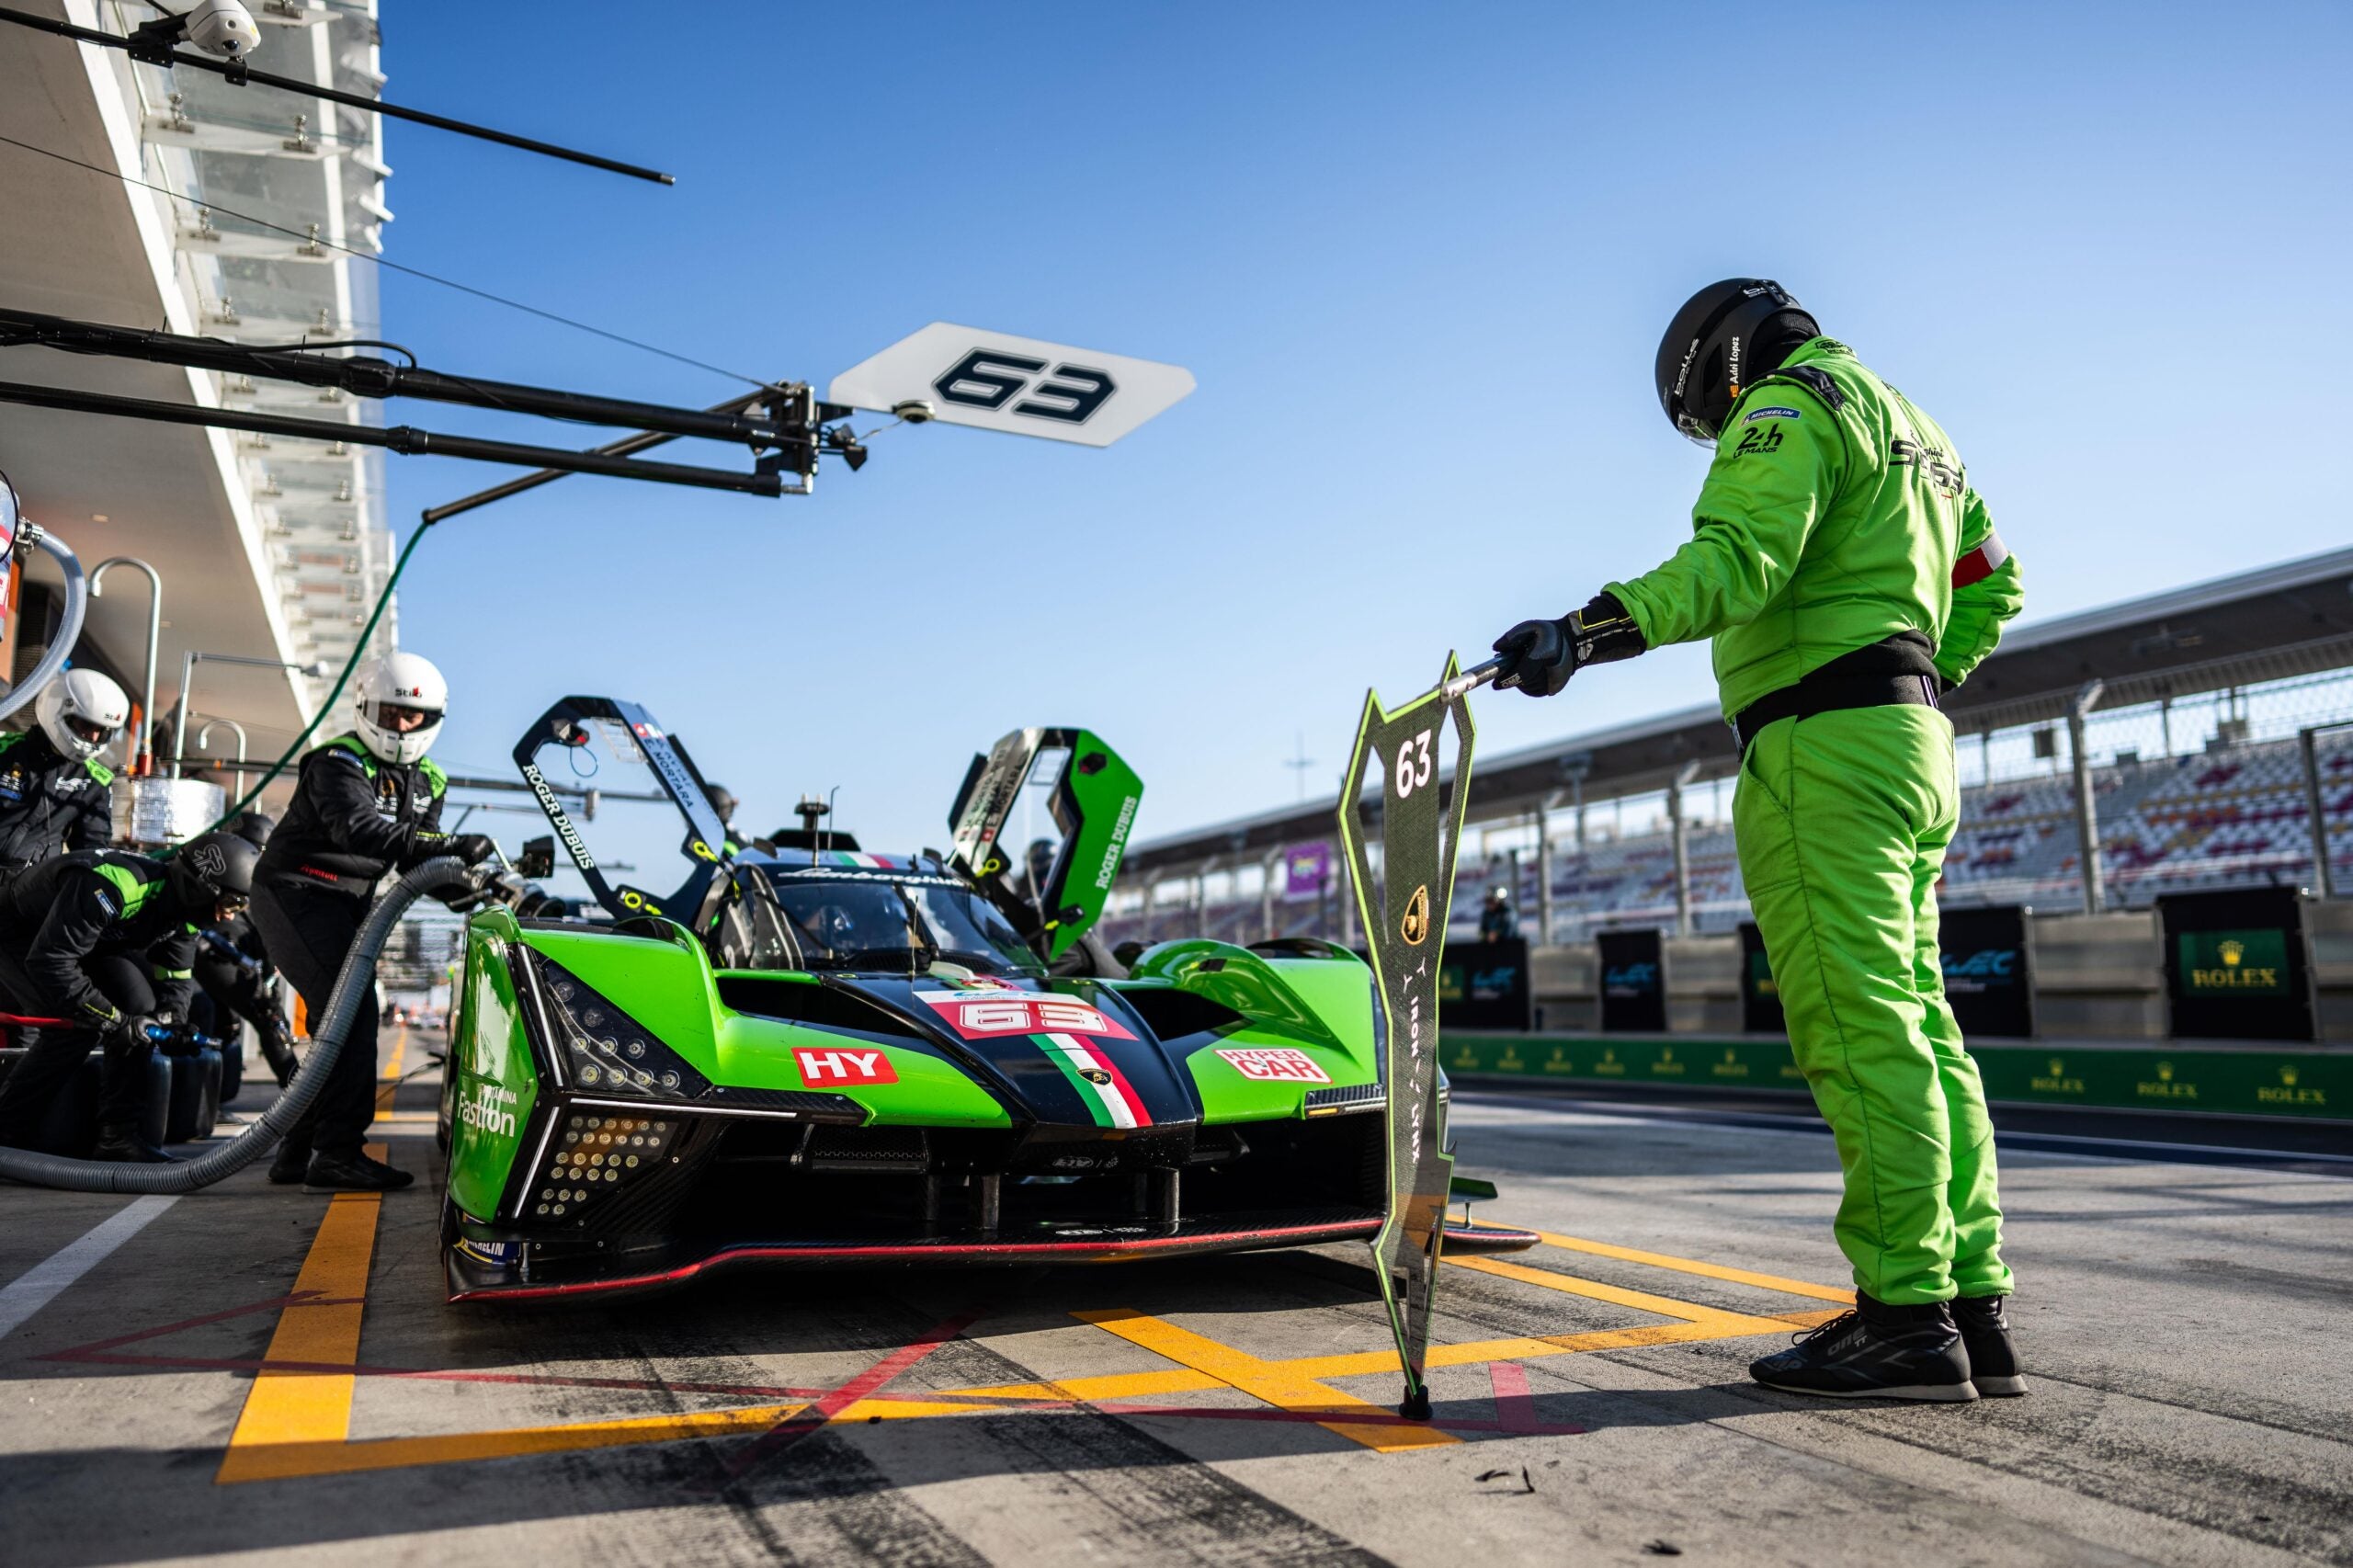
x: 1540, y: 656
x: 473, y: 848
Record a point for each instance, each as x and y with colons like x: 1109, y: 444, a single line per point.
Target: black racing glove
x: 127, y: 1032
x: 472, y: 848
x: 1540, y: 656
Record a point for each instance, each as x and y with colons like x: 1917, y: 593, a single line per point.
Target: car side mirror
x: 538, y: 858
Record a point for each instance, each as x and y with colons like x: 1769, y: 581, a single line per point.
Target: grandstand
x: 2190, y: 711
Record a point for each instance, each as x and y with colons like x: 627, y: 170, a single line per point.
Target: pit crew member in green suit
x: 1847, y: 576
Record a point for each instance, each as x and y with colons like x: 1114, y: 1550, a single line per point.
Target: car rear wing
x: 1056, y: 893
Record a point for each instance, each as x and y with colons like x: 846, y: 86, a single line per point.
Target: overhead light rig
x: 785, y: 427
x: 227, y: 32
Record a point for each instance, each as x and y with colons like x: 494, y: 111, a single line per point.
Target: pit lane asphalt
x: 2184, y: 1325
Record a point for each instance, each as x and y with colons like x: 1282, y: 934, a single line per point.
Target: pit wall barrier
x: 2093, y: 978
x: 2311, y: 1082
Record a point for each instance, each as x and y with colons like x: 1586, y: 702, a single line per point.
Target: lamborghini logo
x: 1095, y: 1075
x: 1417, y: 924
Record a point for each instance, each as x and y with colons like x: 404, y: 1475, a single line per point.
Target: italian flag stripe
x: 1116, y: 1102
x: 1085, y: 1091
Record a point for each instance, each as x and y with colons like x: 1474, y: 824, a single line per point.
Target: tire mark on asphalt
x: 2081, y: 1451
x: 1169, y: 1506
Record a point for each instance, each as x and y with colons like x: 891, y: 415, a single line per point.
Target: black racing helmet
x: 212, y: 868
x: 255, y: 828
x: 1705, y: 358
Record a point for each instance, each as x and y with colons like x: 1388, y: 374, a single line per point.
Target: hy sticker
x: 824, y: 1068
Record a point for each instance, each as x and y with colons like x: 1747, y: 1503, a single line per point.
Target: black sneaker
x: 287, y: 1167
x: 1877, y: 1351
x: 122, y: 1144
x: 1984, y: 1325
x: 331, y: 1173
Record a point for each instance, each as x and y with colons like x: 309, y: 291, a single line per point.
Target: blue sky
x: 1418, y: 257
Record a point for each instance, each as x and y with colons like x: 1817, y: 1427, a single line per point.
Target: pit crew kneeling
x: 106, y: 940
x: 366, y: 803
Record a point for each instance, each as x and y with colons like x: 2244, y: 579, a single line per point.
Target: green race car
x: 809, y: 1054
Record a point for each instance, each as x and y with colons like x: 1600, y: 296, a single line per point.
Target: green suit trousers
x: 1843, y: 820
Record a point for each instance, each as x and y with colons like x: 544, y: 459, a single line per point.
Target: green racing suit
x: 1835, y: 517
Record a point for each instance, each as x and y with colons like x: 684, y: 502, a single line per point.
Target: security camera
x: 915, y: 411
x: 223, y: 28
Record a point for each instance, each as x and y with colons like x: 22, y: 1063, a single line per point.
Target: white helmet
x: 81, y: 712
x: 401, y: 681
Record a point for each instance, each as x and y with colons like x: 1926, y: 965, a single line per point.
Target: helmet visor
x: 88, y: 730
x: 401, y: 718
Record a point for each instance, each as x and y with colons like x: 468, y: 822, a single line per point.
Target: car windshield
x: 837, y: 921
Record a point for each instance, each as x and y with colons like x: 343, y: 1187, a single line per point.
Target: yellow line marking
x: 1271, y: 1381
x: 287, y: 1460
x: 388, y: 1080
x: 1640, y: 1301
x: 298, y: 1423
x: 313, y: 1408
x: 1692, y: 1266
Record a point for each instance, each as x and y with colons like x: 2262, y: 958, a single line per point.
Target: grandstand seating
x: 2222, y: 819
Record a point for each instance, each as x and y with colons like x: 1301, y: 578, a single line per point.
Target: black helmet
x: 213, y: 867
x: 722, y: 800
x: 1706, y: 356
x: 255, y: 828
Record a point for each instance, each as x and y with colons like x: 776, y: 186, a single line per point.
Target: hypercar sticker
x: 1277, y: 1063
x: 827, y: 1069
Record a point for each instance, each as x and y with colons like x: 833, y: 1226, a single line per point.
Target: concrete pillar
x: 1543, y: 880
x: 1683, y: 775
x: 1267, y: 894
x: 2087, y: 808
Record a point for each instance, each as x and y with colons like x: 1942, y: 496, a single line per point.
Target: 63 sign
x: 1021, y: 385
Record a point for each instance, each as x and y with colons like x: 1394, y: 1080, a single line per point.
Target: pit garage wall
x: 2099, y: 1004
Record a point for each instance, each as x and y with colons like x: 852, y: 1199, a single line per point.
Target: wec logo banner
x: 1277, y: 1063
x: 979, y: 1017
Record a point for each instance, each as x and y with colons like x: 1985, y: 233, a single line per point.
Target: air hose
x: 354, y: 989
x: 69, y: 625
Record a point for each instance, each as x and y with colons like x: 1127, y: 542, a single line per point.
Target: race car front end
x: 624, y: 1115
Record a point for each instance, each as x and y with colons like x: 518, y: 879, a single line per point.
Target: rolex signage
x: 2243, y: 963
x: 2236, y: 967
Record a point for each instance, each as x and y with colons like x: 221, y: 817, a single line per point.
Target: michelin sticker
x: 1770, y: 413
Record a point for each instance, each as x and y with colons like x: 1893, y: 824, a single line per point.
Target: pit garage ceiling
x: 84, y: 244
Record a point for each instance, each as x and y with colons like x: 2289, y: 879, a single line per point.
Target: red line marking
x: 1514, y: 1406
x: 84, y: 1352
x: 785, y: 1433
x: 416, y: 1374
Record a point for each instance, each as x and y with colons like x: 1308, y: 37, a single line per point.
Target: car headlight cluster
x: 606, y: 1051
x: 595, y: 1157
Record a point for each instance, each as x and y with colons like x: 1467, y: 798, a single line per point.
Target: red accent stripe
x: 1981, y: 562
x: 1119, y: 1081
x: 1351, y: 1231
